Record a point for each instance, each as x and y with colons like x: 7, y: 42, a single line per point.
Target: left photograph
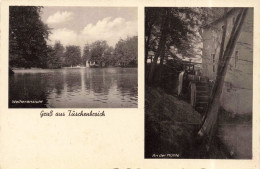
x: 73, y: 57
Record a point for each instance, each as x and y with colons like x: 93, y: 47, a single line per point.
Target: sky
x: 82, y: 25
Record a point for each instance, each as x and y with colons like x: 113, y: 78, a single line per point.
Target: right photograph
x: 198, y: 82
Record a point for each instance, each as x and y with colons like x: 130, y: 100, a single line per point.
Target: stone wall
x: 237, y: 92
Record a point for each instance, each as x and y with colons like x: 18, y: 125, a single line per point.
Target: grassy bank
x: 170, y: 129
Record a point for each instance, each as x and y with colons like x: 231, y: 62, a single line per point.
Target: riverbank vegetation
x: 28, y: 46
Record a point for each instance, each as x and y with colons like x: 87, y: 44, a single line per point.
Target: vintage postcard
x: 129, y: 84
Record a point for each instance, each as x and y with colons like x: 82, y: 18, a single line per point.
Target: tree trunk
x: 222, y: 45
x: 161, y: 46
x: 159, y: 74
x: 147, y: 44
x: 146, y: 52
x: 162, y: 57
x: 210, y: 119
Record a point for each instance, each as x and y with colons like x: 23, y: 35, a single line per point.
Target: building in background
x: 237, y: 93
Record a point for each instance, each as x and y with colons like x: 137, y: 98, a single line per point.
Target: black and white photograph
x: 198, y: 82
x: 73, y: 57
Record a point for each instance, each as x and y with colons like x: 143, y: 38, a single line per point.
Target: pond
x: 74, y: 88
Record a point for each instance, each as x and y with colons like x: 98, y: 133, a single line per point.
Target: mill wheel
x: 193, y: 94
x: 200, y: 95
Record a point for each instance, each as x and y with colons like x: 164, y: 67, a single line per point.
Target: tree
x: 109, y: 56
x: 126, y: 51
x: 152, y: 20
x: 173, y: 27
x: 72, y: 56
x: 97, y: 51
x: 27, y: 37
x: 211, y: 116
x: 56, y: 56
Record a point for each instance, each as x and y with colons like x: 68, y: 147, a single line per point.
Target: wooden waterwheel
x: 199, y: 93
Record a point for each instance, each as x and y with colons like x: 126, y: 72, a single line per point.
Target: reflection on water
x: 74, y: 88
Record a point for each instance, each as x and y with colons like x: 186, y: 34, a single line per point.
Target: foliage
x: 174, y: 28
x: 72, y: 56
x: 124, y: 54
x: 180, y: 26
x: 55, y: 56
x: 126, y: 51
x: 109, y: 57
x: 27, y: 37
x: 97, y: 51
x: 28, y: 47
x: 172, y: 32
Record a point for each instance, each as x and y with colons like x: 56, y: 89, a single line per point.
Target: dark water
x: 74, y: 88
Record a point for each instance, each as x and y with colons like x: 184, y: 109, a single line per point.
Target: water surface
x: 74, y: 88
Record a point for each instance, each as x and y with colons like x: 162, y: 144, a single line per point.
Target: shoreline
x: 68, y: 68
